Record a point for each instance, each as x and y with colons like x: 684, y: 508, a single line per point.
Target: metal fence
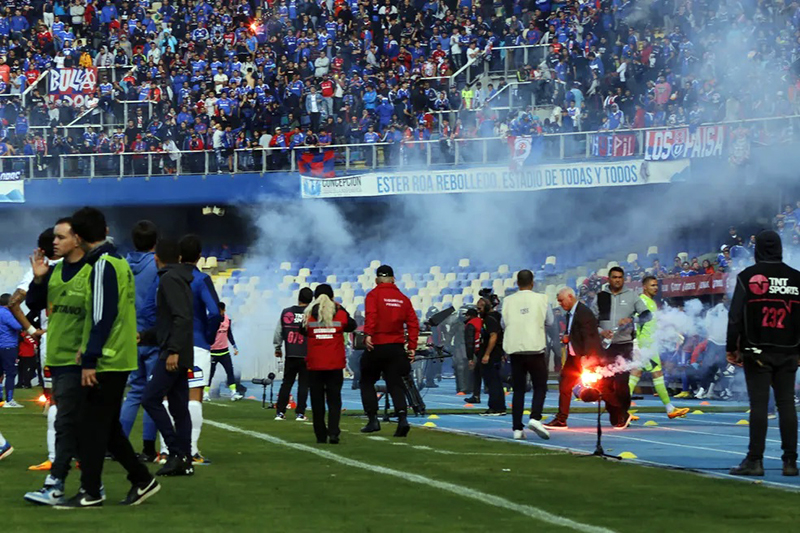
x: 349, y: 158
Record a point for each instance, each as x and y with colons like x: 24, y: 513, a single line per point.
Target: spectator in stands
x: 677, y: 266
x: 635, y: 271
x: 657, y: 270
x: 724, y: 262
x: 733, y: 237
x: 686, y: 270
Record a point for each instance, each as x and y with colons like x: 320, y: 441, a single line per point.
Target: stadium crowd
x: 297, y: 73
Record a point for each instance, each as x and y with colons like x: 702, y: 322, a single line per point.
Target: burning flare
x: 42, y: 399
x: 589, y: 377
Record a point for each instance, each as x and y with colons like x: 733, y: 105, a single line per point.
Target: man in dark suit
x: 581, y: 339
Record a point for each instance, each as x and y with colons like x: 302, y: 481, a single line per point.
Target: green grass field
x: 274, y: 477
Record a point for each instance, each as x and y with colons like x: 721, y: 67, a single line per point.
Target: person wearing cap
x: 390, y: 322
x: 764, y: 336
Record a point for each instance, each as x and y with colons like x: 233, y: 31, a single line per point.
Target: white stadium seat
x: 463, y: 263
x: 551, y: 260
x: 285, y: 266
x: 632, y: 257
x: 502, y: 269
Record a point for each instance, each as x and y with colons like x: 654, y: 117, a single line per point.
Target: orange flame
x: 42, y: 399
x: 589, y: 378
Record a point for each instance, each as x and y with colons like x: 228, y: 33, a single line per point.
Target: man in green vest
x: 109, y: 354
x: 651, y: 359
x: 62, y: 289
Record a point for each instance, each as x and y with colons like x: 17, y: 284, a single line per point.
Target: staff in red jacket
x: 389, y: 318
x: 324, y: 324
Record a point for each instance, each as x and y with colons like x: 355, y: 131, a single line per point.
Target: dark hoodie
x: 173, y: 327
x: 145, y: 273
x: 765, y: 309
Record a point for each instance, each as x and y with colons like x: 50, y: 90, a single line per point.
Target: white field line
x: 482, y: 497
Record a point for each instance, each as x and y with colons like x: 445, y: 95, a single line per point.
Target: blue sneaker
x: 6, y: 450
x: 51, y: 494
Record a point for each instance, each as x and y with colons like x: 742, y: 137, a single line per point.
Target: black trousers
x: 615, y: 389
x: 392, y: 361
x: 570, y: 375
x: 295, y: 369
x: 526, y: 364
x: 175, y: 386
x: 326, y: 387
x: 223, y: 358
x: 762, y: 372
x: 27, y: 371
x: 491, y: 376
x: 477, y: 378
x: 69, y: 396
x: 100, y: 431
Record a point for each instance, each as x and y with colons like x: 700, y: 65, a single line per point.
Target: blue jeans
x: 8, y: 366
x: 148, y: 355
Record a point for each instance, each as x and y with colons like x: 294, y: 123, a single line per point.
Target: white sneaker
x: 206, y: 397
x: 235, y: 397
x: 537, y: 427
x: 280, y: 416
x: 12, y: 404
x: 301, y: 418
x: 700, y: 394
x: 519, y: 434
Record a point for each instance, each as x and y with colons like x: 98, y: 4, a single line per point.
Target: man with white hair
x: 581, y: 338
x: 526, y: 314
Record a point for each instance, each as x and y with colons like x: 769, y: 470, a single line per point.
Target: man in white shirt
x: 526, y: 314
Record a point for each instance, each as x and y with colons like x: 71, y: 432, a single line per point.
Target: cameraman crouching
x: 389, y: 315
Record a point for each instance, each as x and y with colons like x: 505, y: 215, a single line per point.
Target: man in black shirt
x: 288, y: 333
x: 173, y: 334
x: 764, y: 337
x: 491, y: 351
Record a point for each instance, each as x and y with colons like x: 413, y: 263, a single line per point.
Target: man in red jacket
x: 389, y: 317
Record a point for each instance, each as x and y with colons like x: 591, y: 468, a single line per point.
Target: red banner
x: 683, y: 143
x: 694, y: 285
x: 613, y: 145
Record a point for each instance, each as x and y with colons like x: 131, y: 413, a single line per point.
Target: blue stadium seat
x: 360, y: 307
x: 294, y: 287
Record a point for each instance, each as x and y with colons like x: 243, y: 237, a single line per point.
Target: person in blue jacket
x: 207, y: 319
x: 145, y: 273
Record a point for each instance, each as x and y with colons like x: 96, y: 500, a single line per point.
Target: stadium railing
x: 351, y: 158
